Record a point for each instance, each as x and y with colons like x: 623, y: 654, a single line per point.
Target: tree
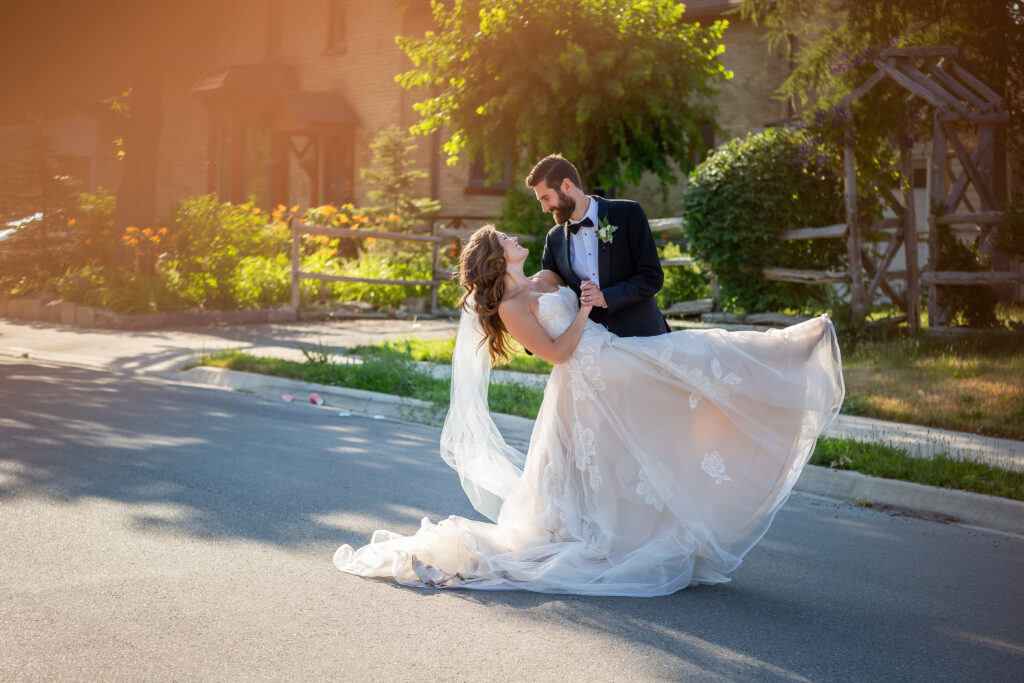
x: 988, y: 33
x: 618, y: 86
x: 395, y: 180
x: 62, y: 55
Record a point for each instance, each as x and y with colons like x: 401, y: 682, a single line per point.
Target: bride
x: 655, y: 463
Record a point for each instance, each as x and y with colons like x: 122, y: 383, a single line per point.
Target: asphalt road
x: 150, y: 530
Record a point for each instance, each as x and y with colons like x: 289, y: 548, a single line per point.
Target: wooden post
x: 857, y: 303
x: 910, y: 241
x: 296, y: 244
x: 435, y: 266
x: 936, y: 198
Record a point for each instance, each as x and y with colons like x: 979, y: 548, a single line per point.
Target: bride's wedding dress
x: 655, y: 462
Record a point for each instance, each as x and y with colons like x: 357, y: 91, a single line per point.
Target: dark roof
x: 247, y: 77
x: 318, y: 107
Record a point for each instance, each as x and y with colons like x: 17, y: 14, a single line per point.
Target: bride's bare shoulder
x: 549, y: 278
x: 518, y: 303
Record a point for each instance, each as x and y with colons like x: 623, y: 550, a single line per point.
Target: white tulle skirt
x: 655, y: 463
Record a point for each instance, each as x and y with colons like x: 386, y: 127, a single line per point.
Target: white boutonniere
x: 606, y: 231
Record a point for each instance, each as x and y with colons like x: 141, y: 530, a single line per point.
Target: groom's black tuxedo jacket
x: 628, y: 267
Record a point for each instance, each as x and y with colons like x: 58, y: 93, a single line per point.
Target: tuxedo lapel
x: 565, y: 260
x: 604, y: 249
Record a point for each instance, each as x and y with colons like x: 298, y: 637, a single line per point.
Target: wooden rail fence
x: 442, y: 230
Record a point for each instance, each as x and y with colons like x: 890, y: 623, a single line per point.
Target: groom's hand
x: 591, y: 295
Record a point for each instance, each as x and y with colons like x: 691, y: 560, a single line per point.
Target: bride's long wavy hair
x: 482, y: 276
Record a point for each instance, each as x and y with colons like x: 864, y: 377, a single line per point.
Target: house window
x: 335, y: 170
x: 920, y: 175
x: 707, y: 142
x: 222, y: 161
x: 256, y: 166
x: 275, y: 17
x: 337, y: 11
x: 480, y: 182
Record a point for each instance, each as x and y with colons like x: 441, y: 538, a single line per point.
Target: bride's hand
x: 585, y: 304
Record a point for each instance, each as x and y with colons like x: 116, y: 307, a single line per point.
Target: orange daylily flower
x: 255, y: 209
x: 393, y: 217
x: 162, y: 231
x: 71, y: 221
x: 155, y: 239
x: 131, y: 228
x: 147, y: 232
x: 294, y: 208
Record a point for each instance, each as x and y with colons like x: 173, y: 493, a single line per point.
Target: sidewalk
x: 164, y: 352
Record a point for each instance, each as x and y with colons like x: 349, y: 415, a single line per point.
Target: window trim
x: 336, y: 45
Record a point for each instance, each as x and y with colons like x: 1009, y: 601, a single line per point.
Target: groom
x: 602, y: 248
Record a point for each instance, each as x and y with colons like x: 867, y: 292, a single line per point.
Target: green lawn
x: 888, y: 462
x: 385, y: 371
x: 968, y: 385
x: 440, y: 351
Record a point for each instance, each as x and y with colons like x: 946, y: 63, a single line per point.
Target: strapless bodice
x: 556, y: 311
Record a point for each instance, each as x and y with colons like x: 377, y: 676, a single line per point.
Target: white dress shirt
x: 584, y: 247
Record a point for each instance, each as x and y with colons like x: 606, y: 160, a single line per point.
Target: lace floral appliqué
x: 714, y: 467
x: 645, y: 489
x: 583, y: 450
x: 732, y: 379
x: 585, y: 376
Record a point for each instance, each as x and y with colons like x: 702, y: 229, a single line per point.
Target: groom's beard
x: 566, y: 205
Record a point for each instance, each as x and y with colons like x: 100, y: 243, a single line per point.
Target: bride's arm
x: 524, y: 328
x: 550, y: 277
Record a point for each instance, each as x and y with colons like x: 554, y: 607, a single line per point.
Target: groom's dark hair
x: 552, y: 170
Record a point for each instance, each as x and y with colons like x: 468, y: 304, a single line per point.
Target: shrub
x: 94, y: 238
x: 387, y: 261
x: 209, y: 239
x: 121, y: 290
x: 682, y: 283
x: 974, y: 305
x: 742, y: 197
x: 262, y: 281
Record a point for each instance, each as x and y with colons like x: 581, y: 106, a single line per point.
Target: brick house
x: 286, y: 108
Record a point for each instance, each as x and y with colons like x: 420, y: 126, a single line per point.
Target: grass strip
x: 386, y: 371
x: 889, y: 462
x: 440, y: 351
x: 390, y: 371
x: 974, y: 384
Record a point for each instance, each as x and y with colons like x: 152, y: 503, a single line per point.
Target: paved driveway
x: 150, y: 530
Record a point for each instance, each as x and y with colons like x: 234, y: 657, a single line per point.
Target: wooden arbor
x: 958, y: 101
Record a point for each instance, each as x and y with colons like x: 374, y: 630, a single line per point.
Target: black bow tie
x: 585, y: 223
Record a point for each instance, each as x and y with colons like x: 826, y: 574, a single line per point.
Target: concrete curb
x: 948, y: 505
x: 990, y: 512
